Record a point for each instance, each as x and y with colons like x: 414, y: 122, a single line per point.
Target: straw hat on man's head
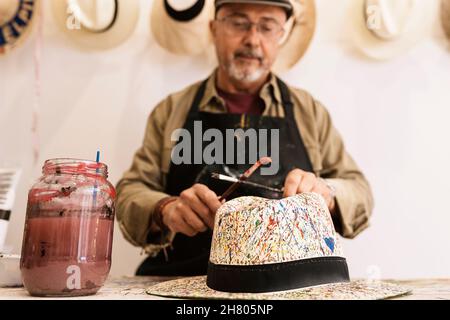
x: 97, y: 24
x: 182, y: 26
x: 285, y: 4
x: 16, y: 19
x: 384, y: 29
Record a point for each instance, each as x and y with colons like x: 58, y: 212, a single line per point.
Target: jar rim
x: 71, y: 160
x: 88, y: 166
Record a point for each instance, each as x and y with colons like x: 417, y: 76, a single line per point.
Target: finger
x: 324, y: 191
x: 190, y: 197
x: 292, y: 182
x: 208, y: 197
x: 308, y: 183
x: 185, y: 229
x: 176, y: 223
x: 191, y: 218
x: 319, y: 189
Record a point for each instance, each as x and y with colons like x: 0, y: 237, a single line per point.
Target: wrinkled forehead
x: 252, y: 11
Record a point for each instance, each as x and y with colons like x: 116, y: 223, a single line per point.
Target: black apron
x: 189, y: 255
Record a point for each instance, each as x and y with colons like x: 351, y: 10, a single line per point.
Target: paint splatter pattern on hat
x: 254, y: 231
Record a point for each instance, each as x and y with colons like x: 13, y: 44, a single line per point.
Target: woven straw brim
x: 196, y: 288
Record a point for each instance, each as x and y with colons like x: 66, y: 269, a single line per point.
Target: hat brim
x: 122, y: 28
x: 299, y: 39
x: 285, y: 6
x: 374, y: 47
x: 182, y: 37
x: 24, y: 32
x: 196, y: 288
x: 445, y: 17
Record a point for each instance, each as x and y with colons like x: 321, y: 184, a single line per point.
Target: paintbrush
x: 223, y: 177
x: 245, y: 176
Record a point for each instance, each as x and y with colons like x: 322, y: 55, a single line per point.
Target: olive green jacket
x: 142, y: 186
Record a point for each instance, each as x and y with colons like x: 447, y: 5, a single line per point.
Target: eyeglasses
x: 240, y: 26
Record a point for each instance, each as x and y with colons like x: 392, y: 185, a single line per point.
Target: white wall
x: 392, y: 115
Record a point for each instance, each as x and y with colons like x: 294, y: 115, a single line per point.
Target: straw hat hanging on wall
x: 182, y: 26
x: 300, y: 30
x: 96, y: 24
x: 384, y: 29
x: 16, y: 21
x: 445, y: 17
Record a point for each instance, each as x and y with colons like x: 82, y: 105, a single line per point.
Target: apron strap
x: 293, y: 128
x: 286, y: 99
x: 197, y: 99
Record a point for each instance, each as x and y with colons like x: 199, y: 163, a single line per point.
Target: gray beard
x: 239, y: 74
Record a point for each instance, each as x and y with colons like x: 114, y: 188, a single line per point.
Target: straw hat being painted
x: 275, y: 249
x: 16, y: 20
x: 384, y: 29
x: 96, y: 24
x: 182, y: 26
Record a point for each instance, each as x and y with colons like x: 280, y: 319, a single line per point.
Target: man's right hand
x: 193, y: 211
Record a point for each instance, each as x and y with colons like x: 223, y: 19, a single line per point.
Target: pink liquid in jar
x: 68, y: 234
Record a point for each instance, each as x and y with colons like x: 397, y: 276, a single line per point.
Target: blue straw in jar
x: 97, y: 159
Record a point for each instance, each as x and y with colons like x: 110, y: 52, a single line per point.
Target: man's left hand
x: 299, y: 181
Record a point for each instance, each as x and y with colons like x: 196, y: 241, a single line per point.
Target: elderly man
x: 168, y: 208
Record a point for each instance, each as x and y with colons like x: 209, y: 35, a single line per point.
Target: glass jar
x: 66, y: 249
